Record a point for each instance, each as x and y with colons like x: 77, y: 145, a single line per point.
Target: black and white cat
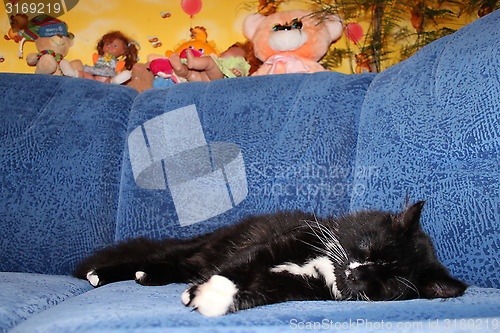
x: 282, y: 257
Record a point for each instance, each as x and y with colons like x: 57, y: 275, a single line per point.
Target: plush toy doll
x: 107, y: 64
x: 53, y: 42
x: 291, y: 41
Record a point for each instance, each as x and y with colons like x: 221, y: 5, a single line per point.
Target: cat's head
x: 389, y: 257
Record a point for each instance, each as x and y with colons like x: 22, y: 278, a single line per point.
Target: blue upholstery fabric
x: 23, y: 295
x: 62, y: 145
x: 128, y: 307
x: 296, y: 134
x: 430, y: 130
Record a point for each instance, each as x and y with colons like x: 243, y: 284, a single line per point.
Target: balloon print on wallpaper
x: 204, y: 179
x: 191, y: 7
x: 354, y: 32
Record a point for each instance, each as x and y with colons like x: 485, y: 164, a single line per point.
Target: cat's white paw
x: 93, y: 278
x: 140, y: 276
x: 212, y: 298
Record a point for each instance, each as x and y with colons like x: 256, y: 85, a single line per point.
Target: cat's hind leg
x: 147, y: 261
x: 155, y: 274
x: 109, y: 274
x: 118, y: 262
x: 161, y: 273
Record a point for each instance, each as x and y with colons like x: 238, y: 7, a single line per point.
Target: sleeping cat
x: 274, y: 258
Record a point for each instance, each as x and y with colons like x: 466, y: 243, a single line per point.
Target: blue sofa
x: 84, y: 165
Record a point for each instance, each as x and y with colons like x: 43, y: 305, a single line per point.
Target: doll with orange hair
x: 116, y: 55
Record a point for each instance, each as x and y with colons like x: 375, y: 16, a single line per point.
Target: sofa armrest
x: 61, y: 144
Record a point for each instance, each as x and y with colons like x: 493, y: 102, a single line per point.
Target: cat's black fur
x: 286, y: 256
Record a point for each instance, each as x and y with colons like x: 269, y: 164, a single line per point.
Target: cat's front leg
x: 215, y: 297
x: 229, y: 292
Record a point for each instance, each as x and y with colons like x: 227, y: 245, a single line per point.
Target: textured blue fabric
x: 296, y: 134
x: 62, y: 142
x: 430, y: 130
x: 24, y: 294
x: 128, y: 307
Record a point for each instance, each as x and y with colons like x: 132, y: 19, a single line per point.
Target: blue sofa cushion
x: 59, y: 177
x: 24, y: 294
x: 203, y: 155
x: 429, y: 130
x: 128, y: 307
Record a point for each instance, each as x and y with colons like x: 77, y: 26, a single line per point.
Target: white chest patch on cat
x: 320, y: 267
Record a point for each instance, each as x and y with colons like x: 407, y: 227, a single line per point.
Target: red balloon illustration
x: 354, y: 32
x: 191, y: 7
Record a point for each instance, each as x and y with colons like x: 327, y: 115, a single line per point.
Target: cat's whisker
x: 314, y: 233
x: 312, y: 227
x: 408, y: 284
x: 339, y: 249
x: 321, y: 228
x: 315, y: 247
x: 365, y: 297
x: 335, y: 242
x: 334, y: 249
x: 398, y: 296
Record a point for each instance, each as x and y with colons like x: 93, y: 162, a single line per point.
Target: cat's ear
x: 442, y: 287
x: 409, y: 219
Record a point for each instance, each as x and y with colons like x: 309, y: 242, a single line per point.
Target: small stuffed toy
x: 17, y: 23
x: 363, y: 63
x: 291, y: 41
x: 199, y: 42
x: 142, y: 78
x: 230, y: 64
x: 163, y: 71
x: 53, y: 42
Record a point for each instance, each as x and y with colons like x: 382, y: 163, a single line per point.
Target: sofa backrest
x: 61, y: 146
x: 429, y: 130
x: 205, y: 155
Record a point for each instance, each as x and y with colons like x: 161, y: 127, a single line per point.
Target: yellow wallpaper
x: 139, y: 19
x: 143, y: 19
